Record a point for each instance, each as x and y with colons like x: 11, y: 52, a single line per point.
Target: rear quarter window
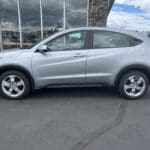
x: 136, y: 41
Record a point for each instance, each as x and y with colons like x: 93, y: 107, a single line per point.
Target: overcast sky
x: 130, y: 14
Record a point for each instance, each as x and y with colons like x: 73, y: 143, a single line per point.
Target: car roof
x: 137, y: 34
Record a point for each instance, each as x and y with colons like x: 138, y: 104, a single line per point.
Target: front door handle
x: 79, y: 55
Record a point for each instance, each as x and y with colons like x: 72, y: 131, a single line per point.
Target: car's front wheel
x: 133, y: 85
x: 14, y: 85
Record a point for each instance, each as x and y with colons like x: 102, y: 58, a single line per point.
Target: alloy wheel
x: 13, y: 86
x: 134, y: 86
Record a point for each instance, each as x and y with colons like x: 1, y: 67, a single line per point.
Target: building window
x: 9, y: 24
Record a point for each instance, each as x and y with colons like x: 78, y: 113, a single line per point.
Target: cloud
x: 127, y: 19
x: 142, y: 4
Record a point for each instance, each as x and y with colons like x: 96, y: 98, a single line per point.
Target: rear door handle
x: 79, y: 55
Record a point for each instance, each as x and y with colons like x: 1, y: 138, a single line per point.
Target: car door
x: 107, y: 49
x: 64, y: 62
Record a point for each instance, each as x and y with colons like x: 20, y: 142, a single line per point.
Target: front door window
x: 69, y: 41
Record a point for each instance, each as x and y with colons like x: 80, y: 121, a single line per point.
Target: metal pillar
x: 64, y: 15
x: 20, y: 24
x: 88, y: 6
x: 41, y: 19
x: 1, y: 41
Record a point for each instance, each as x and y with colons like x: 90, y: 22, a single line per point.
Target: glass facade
x: 30, y: 18
x: 9, y: 24
x: 76, y: 15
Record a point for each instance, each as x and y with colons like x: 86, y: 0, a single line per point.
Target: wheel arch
x: 142, y: 68
x: 20, y: 69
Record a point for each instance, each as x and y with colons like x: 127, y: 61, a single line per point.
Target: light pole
x: 64, y: 15
x: 20, y: 24
x: 41, y: 19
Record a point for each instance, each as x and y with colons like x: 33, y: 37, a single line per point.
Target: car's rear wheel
x: 133, y: 85
x: 14, y: 85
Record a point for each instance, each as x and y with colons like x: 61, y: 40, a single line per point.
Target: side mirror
x: 42, y: 49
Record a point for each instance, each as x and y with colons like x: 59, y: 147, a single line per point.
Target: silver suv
x: 79, y: 57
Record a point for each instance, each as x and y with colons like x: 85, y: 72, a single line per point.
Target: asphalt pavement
x: 75, y: 119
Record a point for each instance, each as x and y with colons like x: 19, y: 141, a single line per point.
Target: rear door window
x: 107, y: 39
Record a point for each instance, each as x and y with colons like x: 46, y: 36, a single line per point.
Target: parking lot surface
x: 75, y: 119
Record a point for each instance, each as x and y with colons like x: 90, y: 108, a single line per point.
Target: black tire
x: 24, y: 78
x: 124, y: 78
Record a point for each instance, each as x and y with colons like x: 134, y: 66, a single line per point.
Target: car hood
x: 12, y: 52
